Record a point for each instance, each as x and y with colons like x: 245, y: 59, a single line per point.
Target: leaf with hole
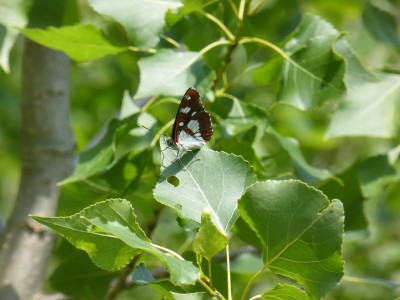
x: 206, y: 178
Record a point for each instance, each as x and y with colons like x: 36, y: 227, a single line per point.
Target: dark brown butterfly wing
x: 192, y: 118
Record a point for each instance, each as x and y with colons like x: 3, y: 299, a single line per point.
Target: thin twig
x: 241, y: 15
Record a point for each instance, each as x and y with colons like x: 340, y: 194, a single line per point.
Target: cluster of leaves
x: 306, y: 112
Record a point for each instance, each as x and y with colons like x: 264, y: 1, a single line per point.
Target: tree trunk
x: 47, y: 158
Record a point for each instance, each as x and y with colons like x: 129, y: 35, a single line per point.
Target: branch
x: 47, y: 158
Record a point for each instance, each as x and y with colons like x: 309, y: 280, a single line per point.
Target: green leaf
x: 77, y: 276
x: 188, y: 7
x: 369, y: 107
x: 246, y: 263
x: 80, y: 42
x: 141, y: 275
x: 200, y: 179
x: 269, y: 71
x: 97, y: 158
x: 109, y: 233
x: 286, y: 292
x: 242, y: 117
x: 317, y: 75
x: 171, y: 72
x: 13, y: 14
x: 346, y: 187
x: 381, y: 21
x: 123, y: 136
x: 143, y: 20
x: 301, y: 232
x: 209, y: 240
x: 375, y: 173
x: 128, y: 107
x: 193, y: 296
x: 303, y: 169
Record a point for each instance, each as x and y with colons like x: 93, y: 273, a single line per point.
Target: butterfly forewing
x: 192, y: 127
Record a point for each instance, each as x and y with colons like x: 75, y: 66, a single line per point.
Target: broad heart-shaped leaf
x: 285, y: 292
x: 143, y: 20
x: 209, y: 240
x: 317, y: 75
x: 13, y: 14
x: 301, y: 232
x: 109, y: 233
x: 170, y: 72
x: 80, y: 42
x: 200, y: 179
x: 369, y: 107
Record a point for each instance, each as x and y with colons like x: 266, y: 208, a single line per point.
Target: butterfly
x: 192, y: 127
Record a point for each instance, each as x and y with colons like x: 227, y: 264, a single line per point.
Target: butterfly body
x: 192, y: 127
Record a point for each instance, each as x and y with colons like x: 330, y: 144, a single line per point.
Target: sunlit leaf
x: 286, y: 292
x: 80, y: 42
x: 209, y: 240
x: 193, y: 296
x: 171, y: 72
x: 206, y: 178
x: 143, y: 20
x: 188, y: 7
x: 369, y: 107
x: 316, y: 76
x: 13, y: 14
x: 109, y: 233
x: 301, y: 232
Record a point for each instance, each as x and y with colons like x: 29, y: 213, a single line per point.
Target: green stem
x: 210, y: 272
x: 148, y: 104
x: 162, y: 130
x: 250, y: 283
x: 213, y: 45
x: 220, y: 25
x: 168, y: 251
x: 228, y: 270
x: 234, y: 42
x: 283, y: 54
x: 210, y: 290
x: 136, y: 49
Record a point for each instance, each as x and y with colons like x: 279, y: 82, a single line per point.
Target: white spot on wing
x: 181, y: 123
x: 193, y: 113
x: 193, y: 125
x: 185, y: 110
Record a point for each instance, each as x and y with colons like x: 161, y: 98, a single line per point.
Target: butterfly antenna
x: 151, y: 130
